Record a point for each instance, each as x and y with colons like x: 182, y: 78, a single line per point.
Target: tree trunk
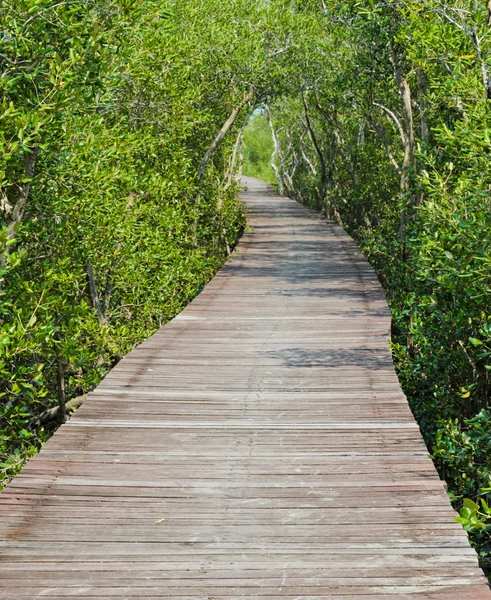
x: 287, y: 177
x: 241, y: 159
x: 13, y: 215
x: 106, y: 298
x: 94, y: 294
x: 304, y: 155
x: 294, y: 167
x: 405, y: 92
x: 317, y: 147
x: 408, y: 162
x: 60, y: 367
x: 52, y: 414
x: 335, y: 139
x: 223, y: 132
x: 237, y: 151
x: 276, y: 151
x: 423, y: 108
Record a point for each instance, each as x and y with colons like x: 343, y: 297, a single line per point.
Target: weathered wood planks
x: 258, y: 446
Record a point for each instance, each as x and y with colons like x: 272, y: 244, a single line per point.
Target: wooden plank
x: 258, y: 446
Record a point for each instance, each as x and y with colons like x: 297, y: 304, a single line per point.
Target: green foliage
x: 463, y: 451
x: 258, y: 149
x: 476, y: 519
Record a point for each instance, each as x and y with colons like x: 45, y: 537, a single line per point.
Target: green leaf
x: 471, y: 505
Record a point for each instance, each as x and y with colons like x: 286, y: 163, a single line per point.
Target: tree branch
x: 52, y: 414
x: 304, y: 155
x: 13, y: 215
x: 236, y: 151
x: 94, y: 294
x: 317, y: 147
x: 392, y: 160
x: 284, y: 49
x: 393, y: 116
x: 223, y: 132
x: 276, y: 150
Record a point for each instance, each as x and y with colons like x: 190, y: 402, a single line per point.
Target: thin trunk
x: 295, y: 163
x: 223, y: 132
x: 335, y: 139
x: 423, y: 106
x: 361, y: 134
x: 276, y: 151
x: 286, y: 177
x: 94, y: 294
x: 13, y: 215
x: 332, y: 162
x: 381, y: 133
x: 486, y: 78
x: 317, y: 147
x: 328, y: 210
x: 106, y: 298
x: 241, y: 159
x: 61, y: 390
x: 233, y: 162
x: 237, y: 151
x: 305, y: 157
x: 408, y: 162
x: 423, y: 109
x: 405, y: 92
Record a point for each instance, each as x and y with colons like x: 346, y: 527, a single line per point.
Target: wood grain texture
x: 258, y: 446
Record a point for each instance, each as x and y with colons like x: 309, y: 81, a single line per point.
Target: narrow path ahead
x: 258, y: 446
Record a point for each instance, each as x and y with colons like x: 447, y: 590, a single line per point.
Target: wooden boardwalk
x: 257, y: 447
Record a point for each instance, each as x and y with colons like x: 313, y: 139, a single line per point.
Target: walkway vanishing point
x: 256, y: 447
